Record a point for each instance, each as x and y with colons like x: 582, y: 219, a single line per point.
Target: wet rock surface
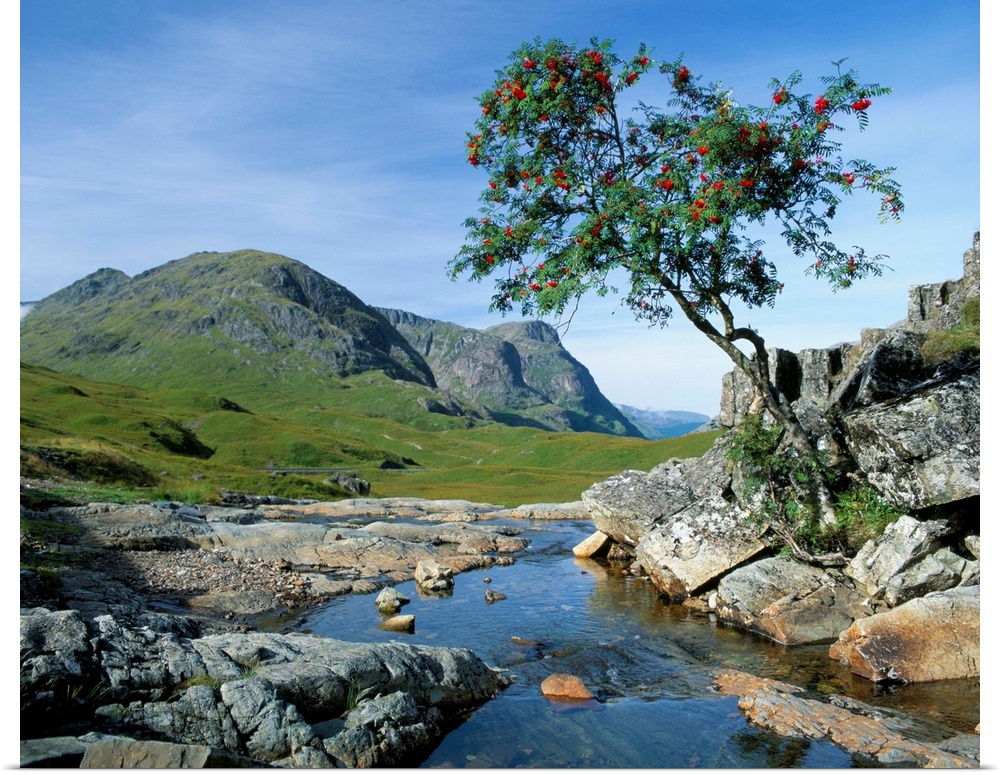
x: 873, y: 734
x: 148, y: 643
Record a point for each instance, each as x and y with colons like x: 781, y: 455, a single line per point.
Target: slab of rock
x: 932, y: 638
x: 697, y: 545
x: 852, y: 726
x: 785, y: 600
x: 902, y: 544
x: 627, y: 506
x: 922, y: 449
x: 400, y: 623
x: 52, y: 752
x: 562, y: 686
x: 125, y: 753
x: 596, y: 545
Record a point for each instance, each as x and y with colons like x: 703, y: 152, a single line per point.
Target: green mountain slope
x: 188, y: 444
x: 266, y: 330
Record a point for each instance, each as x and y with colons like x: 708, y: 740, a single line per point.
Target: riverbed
x: 648, y: 662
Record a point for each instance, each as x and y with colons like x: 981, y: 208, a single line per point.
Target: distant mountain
x: 261, y: 328
x: 514, y: 371
x: 663, y: 424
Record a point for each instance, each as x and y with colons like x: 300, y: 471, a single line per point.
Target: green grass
x: 124, y: 443
x: 962, y: 338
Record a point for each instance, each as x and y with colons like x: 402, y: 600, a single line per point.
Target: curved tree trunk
x: 757, y: 370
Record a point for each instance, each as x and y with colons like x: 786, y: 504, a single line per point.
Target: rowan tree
x: 590, y: 189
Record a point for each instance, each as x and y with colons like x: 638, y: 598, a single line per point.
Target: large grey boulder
x: 247, y: 717
x: 902, y: 544
x: 628, y: 505
x: 697, y: 545
x: 254, y: 695
x: 55, y: 651
x: 785, y: 600
x: 931, y: 638
x: 934, y: 573
x: 384, y: 732
x: 922, y: 449
x: 886, y: 369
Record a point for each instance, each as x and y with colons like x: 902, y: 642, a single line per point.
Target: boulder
x: 936, y: 572
x: 389, y: 601
x: 932, y: 638
x: 401, y: 623
x: 384, y: 732
x: 628, y: 505
x: 785, y: 600
x: 596, y: 545
x: 887, y: 368
x: 921, y: 450
x: 55, y: 651
x: 433, y: 577
x: 697, y: 545
x: 902, y: 544
x: 565, y: 686
x: 352, y: 484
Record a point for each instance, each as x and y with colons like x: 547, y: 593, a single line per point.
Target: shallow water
x: 646, y: 661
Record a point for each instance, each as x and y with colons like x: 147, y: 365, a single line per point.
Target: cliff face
x: 518, y: 367
x: 909, y: 421
x: 249, y: 322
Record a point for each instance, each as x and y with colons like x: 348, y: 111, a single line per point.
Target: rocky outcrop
x: 224, y: 553
x: 883, y: 415
x: 874, y: 734
x: 281, y: 699
x: 936, y: 306
x: 787, y: 601
x: 922, y: 448
x: 931, y: 638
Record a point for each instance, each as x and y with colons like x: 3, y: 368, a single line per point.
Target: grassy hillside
x: 187, y: 444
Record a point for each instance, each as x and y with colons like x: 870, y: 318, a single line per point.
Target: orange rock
x: 564, y: 686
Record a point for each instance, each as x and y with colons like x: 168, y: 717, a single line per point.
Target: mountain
x: 518, y: 372
x: 663, y: 424
x: 266, y: 330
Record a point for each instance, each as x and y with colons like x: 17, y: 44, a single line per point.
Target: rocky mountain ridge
x: 247, y: 321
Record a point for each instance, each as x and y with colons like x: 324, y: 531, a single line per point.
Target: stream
x: 646, y: 660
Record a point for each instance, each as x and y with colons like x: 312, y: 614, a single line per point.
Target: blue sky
x: 334, y: 133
